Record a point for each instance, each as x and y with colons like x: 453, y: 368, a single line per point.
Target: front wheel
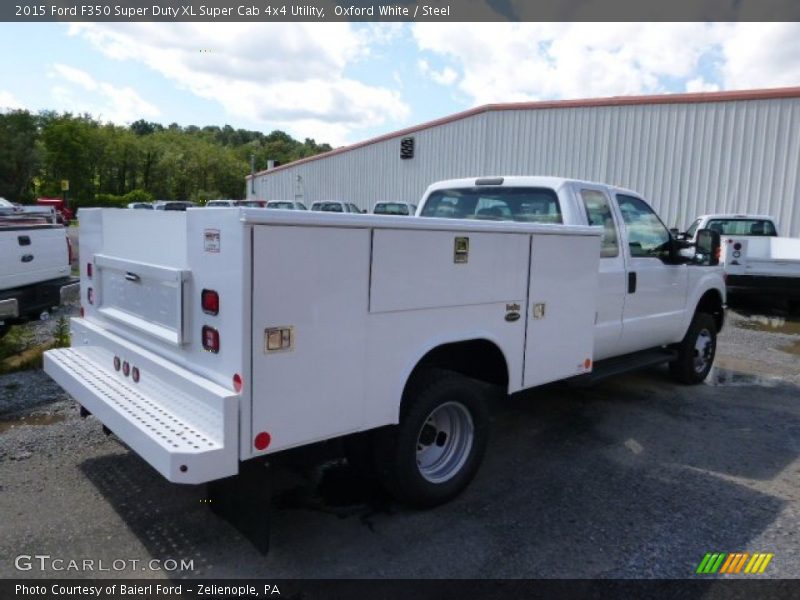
x: 436, y: 449
x: 697, y: 350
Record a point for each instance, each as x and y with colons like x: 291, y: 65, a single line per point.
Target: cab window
x: 647, y: 236
x: 598, y: 212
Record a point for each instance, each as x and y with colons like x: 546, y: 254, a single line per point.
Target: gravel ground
x: 635, y: 477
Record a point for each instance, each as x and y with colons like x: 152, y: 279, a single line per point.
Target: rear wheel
x: 697, y: 350
x: 436, y: 449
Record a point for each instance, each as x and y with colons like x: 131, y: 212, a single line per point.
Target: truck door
x: 656, y: 290
x: 611, y: 281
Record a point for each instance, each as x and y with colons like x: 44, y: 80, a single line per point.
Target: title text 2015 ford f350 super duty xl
x: 236, y: 333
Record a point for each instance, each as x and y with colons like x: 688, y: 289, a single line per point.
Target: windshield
x: 391, y: 208
x: 526, y: 204
x: 755, y: 227
x: 328, y: 207
x: 280, y: 205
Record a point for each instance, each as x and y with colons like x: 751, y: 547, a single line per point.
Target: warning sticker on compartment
x: 211, y: 240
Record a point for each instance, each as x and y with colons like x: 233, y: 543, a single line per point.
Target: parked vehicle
x: 179, y: 205
x: 335, y: 206
x: 35, y: 266
x: 141, y: 205
x: 394, y: 208
x: 195, y: 351
x: 756, y: 260
x: 286, y: 205
x: 63, y: 211
x: 727, y: 225
x: 253, y: 203
x: 222, y: 203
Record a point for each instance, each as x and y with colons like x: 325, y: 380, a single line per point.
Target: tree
x: 20, y: 158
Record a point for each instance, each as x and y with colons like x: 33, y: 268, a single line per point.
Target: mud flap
x: 244, y: 501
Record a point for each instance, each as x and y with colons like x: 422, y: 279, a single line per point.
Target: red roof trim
x: 692, y: 98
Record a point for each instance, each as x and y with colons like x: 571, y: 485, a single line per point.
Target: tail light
x: 90, y: 295
x: 238, y: 383
x: 262, y: 440
x: 135, y: 374
x: 69, y: 250
x: 718, y: 253
x: 89, y: 270
x: 210, y: 339
x: 209, y: 299
x: 126, y: 368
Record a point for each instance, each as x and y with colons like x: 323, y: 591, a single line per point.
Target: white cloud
x: 76, y: 76
x: 759, y: 55
x: 8, y: 100
x: 287, y: 75
x: 698, y: 84
x: 446, y: 76
x: 77, y: 91
x: 524, y: 61
x: 504, y: 62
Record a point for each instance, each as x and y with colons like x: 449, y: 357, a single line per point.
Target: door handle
x: 132, y: 277
x: 27, y: 258
x: 631, y: 282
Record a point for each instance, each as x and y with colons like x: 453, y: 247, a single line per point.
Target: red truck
x: 64, y: 212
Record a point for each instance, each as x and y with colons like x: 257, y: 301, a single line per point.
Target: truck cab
x: 649, y: 290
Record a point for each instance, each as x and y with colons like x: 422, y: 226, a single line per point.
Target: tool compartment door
x: 561, y: 307
x: 312, y: 283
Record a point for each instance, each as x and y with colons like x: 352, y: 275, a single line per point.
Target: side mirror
x: 708, y: 246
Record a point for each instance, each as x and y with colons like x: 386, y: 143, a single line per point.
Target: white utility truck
x: 756, y: 260
x: 210, y: 338
x: 35, y: 256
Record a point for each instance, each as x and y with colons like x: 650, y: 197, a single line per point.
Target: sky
x: 345, y: 82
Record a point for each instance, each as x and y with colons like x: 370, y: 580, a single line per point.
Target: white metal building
x: 688, y: 154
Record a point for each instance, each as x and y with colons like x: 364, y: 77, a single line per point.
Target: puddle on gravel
x: 34, y: 420
x: 728, y: 378
x: 770, y: 323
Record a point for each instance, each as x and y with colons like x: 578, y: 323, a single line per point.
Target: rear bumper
x: 30, y: 300
x: 758, y: 285
x: 184, y: 426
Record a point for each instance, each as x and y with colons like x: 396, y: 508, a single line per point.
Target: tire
x: 436, y: 449
x: 697, y: 350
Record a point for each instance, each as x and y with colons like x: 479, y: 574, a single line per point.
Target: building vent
x: 407, y: 148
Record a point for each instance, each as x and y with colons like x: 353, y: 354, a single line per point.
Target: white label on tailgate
x: 211, y: 240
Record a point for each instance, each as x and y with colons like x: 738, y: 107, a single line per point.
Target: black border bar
x: 397, y: 11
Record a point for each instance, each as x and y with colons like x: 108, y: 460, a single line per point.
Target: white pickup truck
x: 210, y: 338
x: 756, y: 260
x: 35, y: 256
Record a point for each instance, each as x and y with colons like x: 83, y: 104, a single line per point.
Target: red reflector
x: 135, y: 374
x: 90, y: 295
x: 117, y: 363
x: 209, y: 299
x: 210, y: 339
x: 737, y: 246
x: 82, y: 311
x: 262, y: 440
x: 237, y: 383
x: 89, y: 270
x: 126, y: 368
